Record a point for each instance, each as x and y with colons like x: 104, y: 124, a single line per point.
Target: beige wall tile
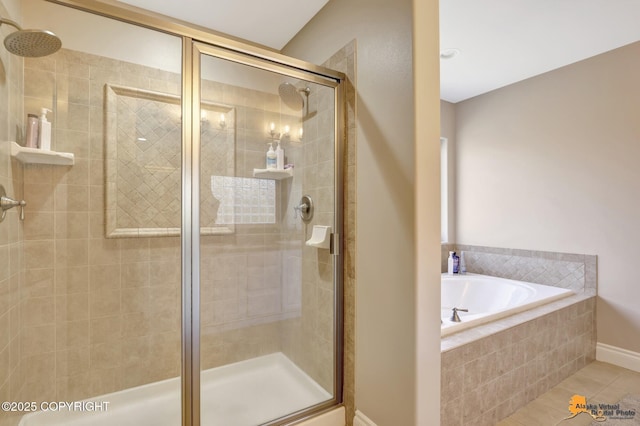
x: 39, y: 283
x: 72, y: 334
x: 39, y: 340
x: 73, y: 387
x: 135, y: 274
x: 72, y: 307
x: 74, y: 141
x: 72, y: 225
x: 106, y: 329
x: 104, y: 303
x: 96, y: 225
x: 38, y: 311
x: 104, y: 278
x: 38, y: 226
x: 106, y: 355
x: 72, y: 280
x: 71, y: 253
x: 39, y: 254
x: 105, y: 380
x: 5, y: 327
x: 72, y: 362
x: 71, y: 197
x: 104, y: 252
x: 39, y: 84
x: 134, y: 250
x: 40, y: 197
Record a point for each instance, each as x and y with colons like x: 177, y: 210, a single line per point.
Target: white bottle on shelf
x: 44, y: 131
x: 279, y: 157
x: 450, y: 263
x: 271, y: 158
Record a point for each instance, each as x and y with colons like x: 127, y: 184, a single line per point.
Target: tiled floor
x: 599, y: 382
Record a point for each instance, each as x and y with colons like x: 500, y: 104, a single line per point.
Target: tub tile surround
x: 490, y: 371
x: 577, y: 272
x: 487, y: 379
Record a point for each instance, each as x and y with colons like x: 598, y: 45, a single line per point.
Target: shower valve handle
x: 305, y: 208
x: 7, y: 203
x: 302, y: 208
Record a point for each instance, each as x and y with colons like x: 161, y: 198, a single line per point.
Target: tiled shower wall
x: 12, y: 289
x: 309, y: 338
x: 104, y: 314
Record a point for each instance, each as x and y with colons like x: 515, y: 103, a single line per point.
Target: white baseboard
x: 361, y: 420
x: 618, y: 356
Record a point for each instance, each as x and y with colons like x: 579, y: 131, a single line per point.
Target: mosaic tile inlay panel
x: 143, y: 145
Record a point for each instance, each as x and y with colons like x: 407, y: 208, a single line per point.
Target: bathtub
x: 246, y: 393
x: 489, y: 298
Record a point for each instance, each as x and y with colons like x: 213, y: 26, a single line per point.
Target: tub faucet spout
x: 455, y: 317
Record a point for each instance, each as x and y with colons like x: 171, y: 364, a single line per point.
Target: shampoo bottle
x: 44, y: 131
x: 279, y: 157
x: 271, y: 158
x: 32, y: 131
x: 450, y: 263
x: 456, y: 263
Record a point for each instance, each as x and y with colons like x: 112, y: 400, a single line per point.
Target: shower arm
x: 10, y: 22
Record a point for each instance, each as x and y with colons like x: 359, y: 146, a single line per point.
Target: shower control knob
x: 7, y: 203
x: 305, y: 208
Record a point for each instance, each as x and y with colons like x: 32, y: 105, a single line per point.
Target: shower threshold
x: 245, y: 393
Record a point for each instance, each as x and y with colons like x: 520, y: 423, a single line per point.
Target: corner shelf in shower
x: 38, y: 156
x: 272, y: 174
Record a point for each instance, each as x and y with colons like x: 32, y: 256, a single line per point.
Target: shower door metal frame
x: 199, y: 49
x: 198, y: 40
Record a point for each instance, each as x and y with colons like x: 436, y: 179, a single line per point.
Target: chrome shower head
x: 30, y: 43
x: 291, y: 97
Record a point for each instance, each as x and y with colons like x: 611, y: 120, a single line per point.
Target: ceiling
x: 270, y: 23
x: 500, y: 42
x: 505, y: 41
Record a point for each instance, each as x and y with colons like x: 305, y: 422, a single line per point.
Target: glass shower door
x: 269, y: 343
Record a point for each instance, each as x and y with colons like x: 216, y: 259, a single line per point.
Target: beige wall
x: 385, y: 362
x: 448, y: 131
x: 427, y: 159
x: 550, y: 163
